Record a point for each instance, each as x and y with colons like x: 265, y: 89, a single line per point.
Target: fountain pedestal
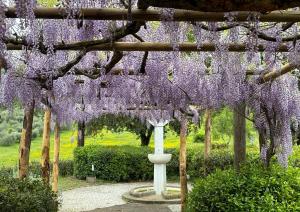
x: 160, y: 174
x: 159, y: 159
x: 159, y: 193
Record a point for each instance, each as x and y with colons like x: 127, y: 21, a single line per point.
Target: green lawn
x: 9, y: 155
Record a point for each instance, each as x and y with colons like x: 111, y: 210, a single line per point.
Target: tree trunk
x: 221, y: 6
x: 81, y: 131
x: 45, y: 162
x: 207, y: 141
x: 146, y: 136
x: 25, y: 142
x: 182, y: 163
x: 262, y: 140
x: 239, y: 135
x: 56, y: 157
x: 298, y: 137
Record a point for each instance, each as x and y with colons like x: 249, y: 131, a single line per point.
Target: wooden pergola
x: 191, y: 11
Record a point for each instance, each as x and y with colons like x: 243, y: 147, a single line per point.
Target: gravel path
x: 93, y: 197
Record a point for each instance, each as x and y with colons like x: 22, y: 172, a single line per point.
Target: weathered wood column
x: 182, y: 163
x: 81, y: 131
x: 207, y: 141
x: 45, y: 161
x: 25, y: 142
x: 239, y: 125
x: 56, y: 157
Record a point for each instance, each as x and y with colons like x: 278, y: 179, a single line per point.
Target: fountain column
x: 159, y: 159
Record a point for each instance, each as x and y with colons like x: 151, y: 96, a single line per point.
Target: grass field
x: 9, y: 155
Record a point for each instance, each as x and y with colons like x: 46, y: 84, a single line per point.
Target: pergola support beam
x: 221, y: 6
x: 153, y: 46
x: 155, y: 15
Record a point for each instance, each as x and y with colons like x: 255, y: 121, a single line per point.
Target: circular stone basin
x: 146, y: 194
x: 159, y: 158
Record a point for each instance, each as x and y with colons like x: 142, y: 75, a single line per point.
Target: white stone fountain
x: 159, y: 192
x: 159, y: 159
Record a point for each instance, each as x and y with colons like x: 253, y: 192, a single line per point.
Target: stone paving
x: 107, y: 197
x: 132, y: 207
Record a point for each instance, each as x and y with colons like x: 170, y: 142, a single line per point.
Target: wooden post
x: 25, y: 142
x: 207, y: 141
x: 182, y: 163
x: 239, y: 126
x: 45, y: 162
x: 56, y: 157
x: 81, y: 131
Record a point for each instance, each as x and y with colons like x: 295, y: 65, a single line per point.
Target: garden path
x: 107, y: 197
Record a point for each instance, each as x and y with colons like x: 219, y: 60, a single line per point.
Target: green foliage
x: 222, y: 124
x: 198, y: 167
x: 199, y: 137
x: 127, y: 163
x: 253, y: 189
x: 11, y: 126
x: 119, y: 123
x: 113, y: 163
x: 66, y: 168
x: 26, y: 195
x: 47, y: 3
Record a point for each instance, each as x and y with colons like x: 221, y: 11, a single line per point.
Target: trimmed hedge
x: 253, y: 189
x: 113, y: 163
x: 66, y: 168
x: 128, y: 163
x: 26, y: 195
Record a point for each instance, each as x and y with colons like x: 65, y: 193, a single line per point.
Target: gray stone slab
x: 133, y: 207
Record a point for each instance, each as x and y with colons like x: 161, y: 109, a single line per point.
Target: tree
x: 118, y: 123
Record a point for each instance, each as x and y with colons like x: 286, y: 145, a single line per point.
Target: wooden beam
x: 45, y: 161
x: 222, y: 5
x: 277, y: 73
x: 207, y: 140
x: 182, y: 163
x: 154, y: 46
x: 155, y: 15
x: 56, y: 157
x: 239, y: 129
x: 25, y: 142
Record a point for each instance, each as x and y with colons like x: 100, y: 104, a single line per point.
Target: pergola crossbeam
x: 155, y: 15
x: 154, y: 46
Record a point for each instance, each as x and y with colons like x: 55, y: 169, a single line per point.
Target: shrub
x: 127, y: 163
x: 26, y: 195
x: 11, y: 126
x: 66, y: 168
x: 199, y: 138
x: 198, y: 167
x: 219, y: 145
x: 113, y: 163
x: 253, y: 189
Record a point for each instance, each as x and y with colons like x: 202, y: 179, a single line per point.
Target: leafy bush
x: 199, y: 138
x: 11, y: 126
x: 198, y: 167
x: 66, y: 168
x: 113, y: 163
x: 127, y: 163
x: 253, y: 189
x: 219, y: 145
x: 26, y: 195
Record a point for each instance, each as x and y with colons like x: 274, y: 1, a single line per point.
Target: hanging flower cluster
x: 81, y: 85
